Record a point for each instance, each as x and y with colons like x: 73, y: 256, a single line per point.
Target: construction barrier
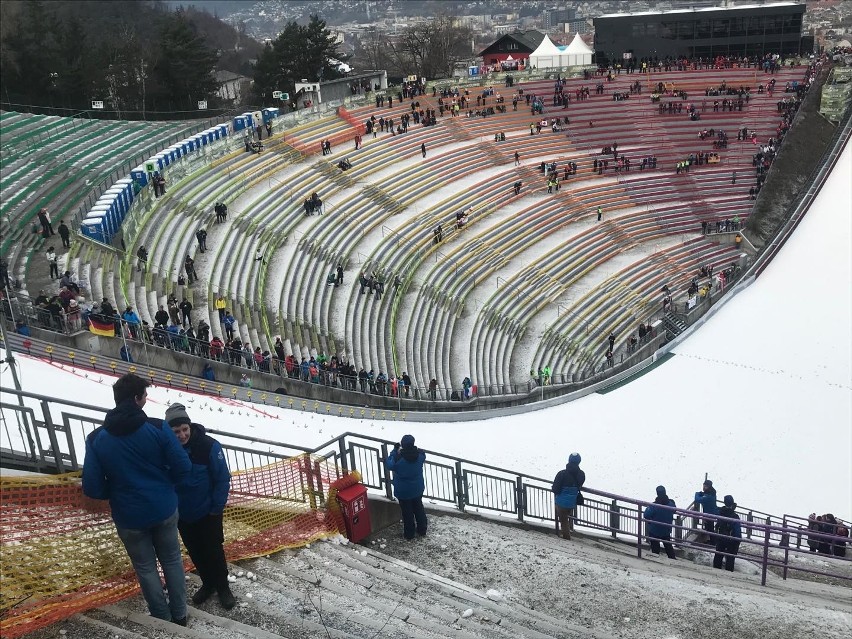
x: 61, y: 554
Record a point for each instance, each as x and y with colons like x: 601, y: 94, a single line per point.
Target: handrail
x: 455, y: 481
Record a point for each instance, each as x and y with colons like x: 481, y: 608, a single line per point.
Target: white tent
x: 546, y: 56
x: 577, y: 53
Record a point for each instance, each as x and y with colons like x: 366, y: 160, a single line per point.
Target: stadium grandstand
x: 487, y: 259
x: 465, y: 248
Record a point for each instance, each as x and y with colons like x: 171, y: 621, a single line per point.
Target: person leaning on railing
x: 566, y: 487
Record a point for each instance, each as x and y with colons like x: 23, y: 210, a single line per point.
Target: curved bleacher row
x: 441, y: 316
x: 52, y: 162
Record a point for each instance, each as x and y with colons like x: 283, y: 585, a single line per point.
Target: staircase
x: 331, y: 589
x: 674, y: 325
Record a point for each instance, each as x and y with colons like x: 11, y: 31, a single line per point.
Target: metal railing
x: 44, y: 434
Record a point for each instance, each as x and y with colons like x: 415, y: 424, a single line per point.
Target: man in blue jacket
x: 406, y: 462
x: 658, y: 526
x: 566, y: 487
x: 135, y: 462
x: 201, y: 501
x: 706, y: 499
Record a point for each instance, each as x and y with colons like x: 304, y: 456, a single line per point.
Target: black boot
x: 226, y: 598
x: 203, y: 594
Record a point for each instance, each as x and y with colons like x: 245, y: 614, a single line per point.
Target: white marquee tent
x: 550, y: 56
x: 578, y: 53
x: 546, y: 56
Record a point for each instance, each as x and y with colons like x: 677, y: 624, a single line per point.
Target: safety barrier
x: 61, y: 554
x: 456, y: 482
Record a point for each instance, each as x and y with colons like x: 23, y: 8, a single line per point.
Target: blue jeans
x: 413, y: 517
x: 145, y: 547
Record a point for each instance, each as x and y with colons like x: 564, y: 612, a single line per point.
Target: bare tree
x: 431, y: 49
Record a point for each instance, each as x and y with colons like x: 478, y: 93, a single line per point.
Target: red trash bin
x: 356, y: 515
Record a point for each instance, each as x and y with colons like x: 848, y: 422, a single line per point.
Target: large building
x: 512, y: 49
x: 752, y: 30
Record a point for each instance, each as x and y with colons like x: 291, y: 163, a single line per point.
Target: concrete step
x: 494, y: 618
x: 340, y: 605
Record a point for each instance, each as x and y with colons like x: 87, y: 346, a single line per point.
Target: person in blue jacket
x: 135, y: 462
x: 201, y: 502
x: 658, y: 526
x: 706, y: 499
x: 728, y: 535
x: 406, y: 461
x: 566, y: 487
x: 208, y: 373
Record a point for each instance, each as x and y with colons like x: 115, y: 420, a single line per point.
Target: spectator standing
x: 185, y: 309
x: 201, y: 236
x: 142, y: 255
x: 728, y: 535
x: 406, y: 462
x: 135, y: 462
x: 229, y: 323
x: 706, y: 500
x: 201, y: 502
x: 220, y: 308
x: 46, y: 226
x: 566, y: 487
x: 189, y: 266
x: 65, y: 234
x: 52, y: 263
x: 658, y: 527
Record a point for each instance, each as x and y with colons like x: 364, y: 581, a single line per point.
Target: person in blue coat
x: 728, y: 535
x: 566, y: 487
x: 658, y: 523
x: 208, y: 373
x: 135, y: 462
x: 201, y: 502
x: 706, y: 500
x: 406, y: 462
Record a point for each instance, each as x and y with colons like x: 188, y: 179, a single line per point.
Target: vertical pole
x: 639, y: 530
x: 520, y: 502
x: 765, y: 561
x: 461, y: 497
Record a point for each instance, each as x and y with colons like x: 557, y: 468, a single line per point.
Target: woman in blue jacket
x: 658, y: 523
x: 406, y: 461
x: 201, y: 502
x: 566, y: 487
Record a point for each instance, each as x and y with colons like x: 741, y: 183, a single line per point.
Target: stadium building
x: 747, y: 30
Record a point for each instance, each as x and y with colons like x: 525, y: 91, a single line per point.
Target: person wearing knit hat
x: 658, y: 526
x: 728, y: 535
x: 201, y: 502
x: 566, y: 487
x: 406, y: 462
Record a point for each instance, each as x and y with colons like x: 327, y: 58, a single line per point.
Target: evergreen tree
x: 298, y: 52
x: 185, y: 66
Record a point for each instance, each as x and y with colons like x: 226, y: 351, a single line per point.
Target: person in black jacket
x: 566, y: 487
x: 201, y: 502
x: 728, y: 535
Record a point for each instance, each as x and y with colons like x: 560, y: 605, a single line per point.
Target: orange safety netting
x: 61, y: 554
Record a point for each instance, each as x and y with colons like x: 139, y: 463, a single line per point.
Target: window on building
x: 739, y: 27
x: 668, y: 30
x: 793, y: 24
x: 638, y: 29
x: 774, y: 25
x: 721, y: 28
x: 755, y: 26
x: 702, y: 29
x: 686, y: 30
